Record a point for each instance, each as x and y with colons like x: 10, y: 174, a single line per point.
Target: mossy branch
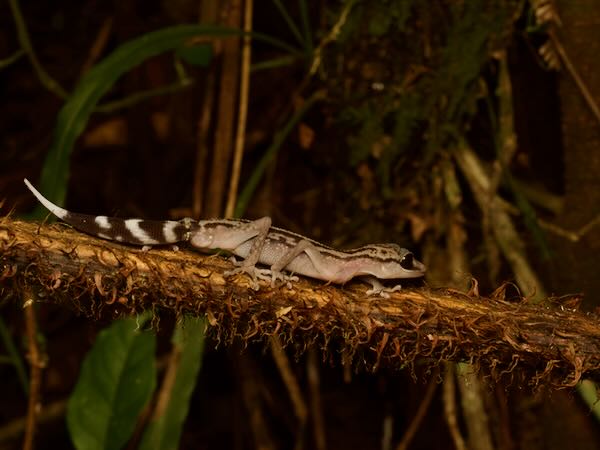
x: 532, y: 344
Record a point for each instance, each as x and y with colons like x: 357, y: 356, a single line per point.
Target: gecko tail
x: 128, y: 231
x: 59, y: 212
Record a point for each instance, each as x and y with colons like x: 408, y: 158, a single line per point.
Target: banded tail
x: 130, y: 231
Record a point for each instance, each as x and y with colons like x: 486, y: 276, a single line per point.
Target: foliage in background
x: 76, y: 112
x: 164, y: 430
x: 423, y: 87
x: 117, y: 379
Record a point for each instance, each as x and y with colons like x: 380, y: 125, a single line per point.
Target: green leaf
x: 117, y: 379
x: 290, y: 22
x: 306, y: 31
x: 588, y: 390
x: 196, y: 55
x: 164, y: 431
x: 273, y: 63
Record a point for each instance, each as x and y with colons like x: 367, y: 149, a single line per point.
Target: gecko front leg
x: 377, y: 288
x: 248, y: 265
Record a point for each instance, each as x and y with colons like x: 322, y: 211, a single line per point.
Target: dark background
x: 404, y: 84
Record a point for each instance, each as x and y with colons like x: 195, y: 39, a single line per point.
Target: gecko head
x: 397, y: 262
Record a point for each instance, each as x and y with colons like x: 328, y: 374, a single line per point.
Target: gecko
x: 256, y: 242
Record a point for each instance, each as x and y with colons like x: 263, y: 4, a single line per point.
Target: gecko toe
x: 254, y: 273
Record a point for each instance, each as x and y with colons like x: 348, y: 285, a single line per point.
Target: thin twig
x: 292, y: 386
x: 165, y: 393
x: 250, y: 385
x: 573, y: 236
x: 564, y: 56
x: 506, y: 146
x: 330, y: 37
x: 290, y: 381
x: 506, y: 136
x: 387, y: 431
x: 12, y: 58
x: 208, y: 13
x: 412, y: 429
x: 23, y: 35
x: 99, y: 45
x: 242, y: 112
x: 36, y: 363
x: 450, y: 408
x: 202, y: 151
x: 314, y: 386
x: 15, y: 428
x: 474, y: 413
x: 226, y: 105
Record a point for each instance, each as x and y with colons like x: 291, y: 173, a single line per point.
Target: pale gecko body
x: 257, y: 242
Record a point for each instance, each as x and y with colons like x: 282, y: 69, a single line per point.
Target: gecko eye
x: 408, y: 262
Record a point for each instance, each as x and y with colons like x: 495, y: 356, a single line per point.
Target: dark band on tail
x: 130, y: 231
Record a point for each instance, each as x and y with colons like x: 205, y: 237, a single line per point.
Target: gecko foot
x: 254, y: 272
x: 379, y: 289
x: 384, y: 291
x: 284, y: 278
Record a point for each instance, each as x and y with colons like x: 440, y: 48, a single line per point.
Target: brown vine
x: 549, y: 343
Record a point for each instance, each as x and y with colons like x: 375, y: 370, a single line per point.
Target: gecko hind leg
x: 261, y: 274
x: 278, y: 267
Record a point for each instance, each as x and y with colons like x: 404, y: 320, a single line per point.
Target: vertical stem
x: 227, y: 101
x: 450, y: 408
x: 415, y: 423
x: 242, y: 113
x: 312, y: 370
x: 36, y: 370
